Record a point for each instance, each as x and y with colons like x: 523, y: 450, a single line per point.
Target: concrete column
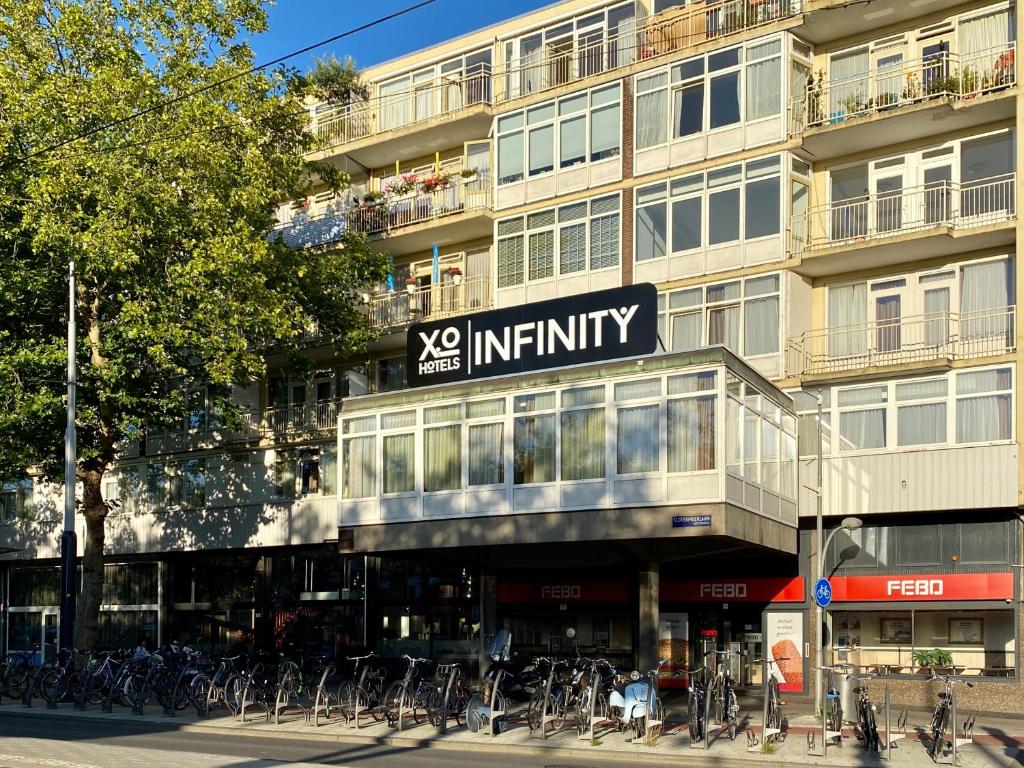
x: 488, y: 616
x: 647, y: 636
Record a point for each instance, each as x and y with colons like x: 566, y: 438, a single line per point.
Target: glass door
x: 887, y: 309
x: 849, y: 74
x: 477, y: 78
x: 51, y: 637
x: 888, y: 78
x: 298, y: 405
x: 938, y: 193
x: 889, y: 203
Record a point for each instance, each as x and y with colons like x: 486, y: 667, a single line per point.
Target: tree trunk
x: 95, y: 511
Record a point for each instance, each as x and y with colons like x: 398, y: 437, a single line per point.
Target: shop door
x: 33, y: 629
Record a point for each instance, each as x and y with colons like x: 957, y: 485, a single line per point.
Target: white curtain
x: 862, y: 429
x: 988, y: 34
x: 651, y: 119
x: 724, y: 327
x: 686, y: 331
x: 531, y: 58
x: 848, y: 78
x: 583, y: 444
x: 921, y: 424
x: 329, y: 470
x: 764, y: 88
x: 984, y: 290
x: 638, y: 440
x: 359, y: 466
x: 691, y: 434
x: 399, y: 463
x: 770, y: 455
x: 936, y: 308
x: 847, y: 315
x: 621, y: 36
x: 979, y: 419
x: 394, y: 104
x: 534, y: 448
x: 442, y: 458
x: 761, y: 326
x: 486, y: 454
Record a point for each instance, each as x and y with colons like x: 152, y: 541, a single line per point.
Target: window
x: 862, y: 417
x: 534, y: 449
x: 651, y: 111
x: 575, y: 129
x: 984, y: 405
x: 921, y: 412
x: 16, y: 499
x: 691, y: 422
x: 559, y: 238
x: 583, y: 453
x: 442, y: 449
x: 743, y: 316
x: 391, y: 374
x: 359, y: 458
x: 195, y: 483
x: 764, y: 79
x: 399, y: 452
x: 722, y: 207
x: 486, y: 443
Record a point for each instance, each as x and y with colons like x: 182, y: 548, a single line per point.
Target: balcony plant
x: 1003, y: 70
x: 374, y: 200
x: 410, y: 285
x: 439, y: 181
x: 455, y: 274
x: 911, y: 87
x: 468, y: 173
x: 403, y: 185
x: 887, y: 100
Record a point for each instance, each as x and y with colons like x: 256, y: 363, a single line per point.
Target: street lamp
x: 846, y: 524
x: 68, y: 539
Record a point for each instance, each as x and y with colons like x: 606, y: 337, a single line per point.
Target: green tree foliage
x: 168, y: 218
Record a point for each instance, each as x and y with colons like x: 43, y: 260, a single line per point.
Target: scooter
x: 517, y: 682
x: 635, y: 701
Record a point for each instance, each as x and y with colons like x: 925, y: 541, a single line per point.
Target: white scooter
x: 637, y: 706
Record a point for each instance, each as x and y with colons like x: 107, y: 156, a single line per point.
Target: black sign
x: 588, y: 328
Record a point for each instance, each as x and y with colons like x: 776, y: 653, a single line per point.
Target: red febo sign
x: 767, y: 590
x: 563, y: 592
x: 923, y: 587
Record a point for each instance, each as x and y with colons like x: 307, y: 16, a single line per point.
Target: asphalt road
x: 39, y: 740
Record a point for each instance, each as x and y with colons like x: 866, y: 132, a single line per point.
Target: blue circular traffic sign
x: 822, y: 593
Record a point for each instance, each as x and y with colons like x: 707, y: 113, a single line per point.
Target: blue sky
x: 297, y: 23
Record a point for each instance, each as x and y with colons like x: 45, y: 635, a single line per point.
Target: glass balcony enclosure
x: 696, y: 427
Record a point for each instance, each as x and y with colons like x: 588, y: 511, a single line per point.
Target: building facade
x: 824, y: 196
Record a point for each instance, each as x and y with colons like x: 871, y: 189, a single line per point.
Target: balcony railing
x: 396, y: 309
x: 319, y: 416
x: 388, y: 214
x: 949, y: 75
x: 654, y: 36
x: 902, y: 340
x: 889, y: 214
x: 339, y: 125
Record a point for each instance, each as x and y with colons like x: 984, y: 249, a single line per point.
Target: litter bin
x: 847, y: 685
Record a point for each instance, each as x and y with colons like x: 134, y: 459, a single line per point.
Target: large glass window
x: 691, y: 423
x: 583, y: 434
x: 862, y: 418
x: 534, y: 449
x: 984, y: 405
x: 442, y: 449
x: 399, y: 463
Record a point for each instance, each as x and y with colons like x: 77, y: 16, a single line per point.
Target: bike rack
x: 452, y: 674
x: 653, y: 689
x: 901, y: 725
x: 323, y: 697
x: 139, y: 705
x: 595, y: 682
x: 402, y: 709
x: 767, y: 734
x: 83, y: 690
x: 955, y: 741
x: 282, y: 702
x: 33, y: 686
x: 826, y: 735
x: 545, y: 718
x: 492, y: 713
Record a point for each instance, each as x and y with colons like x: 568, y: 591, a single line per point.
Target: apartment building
x: 822, y: 195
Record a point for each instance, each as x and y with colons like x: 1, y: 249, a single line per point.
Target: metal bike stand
x: 588, y: 735
x: 493, y: 713
x: 139, y: 705
x: 443, y: 727
x: 33, y: 685
x: 901, y: 725
x: 401, y: 705
x: 767, y: 734
x: 323, y: 697
x: 653, y: 689
x: 107, y: 705
x: 545, y: 718
x: 957, y: 742
x: 83, y: 689
x: 825, y: 734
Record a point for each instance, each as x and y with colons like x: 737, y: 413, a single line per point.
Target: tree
x: 168, y: 217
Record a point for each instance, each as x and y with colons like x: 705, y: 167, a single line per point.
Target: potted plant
x: 437, y: 182
x: 403, y: 185
x: 410, y: 285
x: 373, y: 200
x: 911, y: 88
x: 887, y: 100
x: 969, y: 81
x: 468, y: 173
x: 928, y: 661
x: 455, y: 274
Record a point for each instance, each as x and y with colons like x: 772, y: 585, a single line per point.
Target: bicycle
x: 364, y: 691
x: 774, y: 717
x: 593, y: 699
x: 19, y: 669
x: 833, y: 707
x: 448, y: 696
x: 55, y: 683
x: 866, y: 715
x: 403, y: 697
x: 942, y: 715
x: 722, y: 692
x: 696, y: 697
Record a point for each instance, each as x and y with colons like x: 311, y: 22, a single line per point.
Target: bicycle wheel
x: 561, y: 709
x: 871, y: 741
x: 199, y: 691
x: 17, y: 679
x: 234, y: 689
x: 289, y: 677
x: 938, y: 733
x: 535, y: 710
x: 474, y: 716
x: 731, y: 710
x: 583, y: 711
x: 53, y: 686
x: 457, y: 703
x: 436, y: 714
x: 375, y: 705
x: 394, y: 700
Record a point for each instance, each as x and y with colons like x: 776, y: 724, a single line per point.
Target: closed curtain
x: 651, y: 119
x: 532, y: 61
x: 486, y: 454
x: 764, y: 88
x: 848, y: 77
x: 399, y: 458
x: 988, y: 34
x: 583, y: 444
x: 394, y: 104
x: 534, y: 446
x: 691, y: 434
x: 359, y: 468
x: 724, y: 327
x: 685, y: 331
x: 442, y: 458
x: 985, y: 291
x: 761, y: 326
x: 847, y: 315
x: 936, y: 310
x: 862, y: 429
x: 638, y: 441
x: 979, y: 419
x: 921, y: 424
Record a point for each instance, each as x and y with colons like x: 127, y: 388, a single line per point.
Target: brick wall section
x: 627, y: 174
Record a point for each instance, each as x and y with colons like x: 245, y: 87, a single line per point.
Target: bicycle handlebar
x: 951, y: 680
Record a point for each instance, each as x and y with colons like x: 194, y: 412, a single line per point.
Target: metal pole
x: 68, y: 539
x: 820, y: 569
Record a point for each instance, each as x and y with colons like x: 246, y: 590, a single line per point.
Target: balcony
x: 894, y: 227
x: 561, y: 62
x: 375, y: 132
x: 394, y: 310
x: 933, y: 340
x: 299, y: 419
x: 840, y: 116
x: 415, y: 221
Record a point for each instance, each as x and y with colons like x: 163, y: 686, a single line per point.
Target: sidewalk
x: 998, y: 743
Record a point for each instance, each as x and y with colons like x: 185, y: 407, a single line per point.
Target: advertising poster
x: 784, y: 638
x: 673, y: 629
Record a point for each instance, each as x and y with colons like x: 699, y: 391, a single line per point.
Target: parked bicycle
x: 364, y: 691
x: 696, y: 701
x: 19, y: 671
x: 448, y: 697
x: 592, y: 702
x: 943, y: 714
x: 409, y: 695
x: 866, y: 714
x: 721, y: 692
x: 832, y: 704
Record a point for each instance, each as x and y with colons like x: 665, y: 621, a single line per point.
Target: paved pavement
x: 68, y: 739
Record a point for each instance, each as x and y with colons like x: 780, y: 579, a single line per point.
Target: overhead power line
x: 198, y: 91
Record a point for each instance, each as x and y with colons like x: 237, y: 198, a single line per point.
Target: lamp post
x: 847, y: 524
x: 68, y: 539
